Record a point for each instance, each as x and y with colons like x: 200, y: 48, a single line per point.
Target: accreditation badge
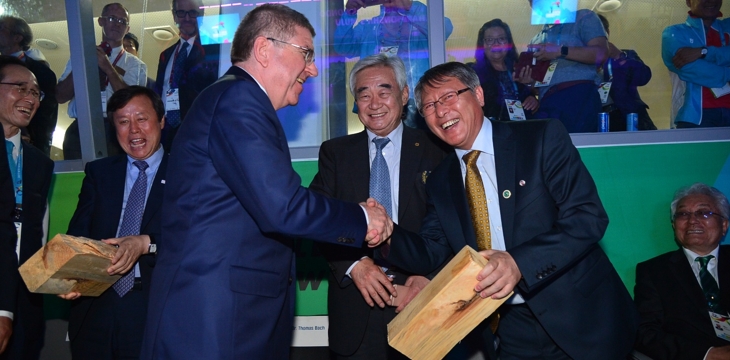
x: 389, y: 51
x: 103, y: 102
x: 603, y: 91
x: 548, y: 75
x: 516, y: 112
x: 721, y: 325
x: 172, y: 100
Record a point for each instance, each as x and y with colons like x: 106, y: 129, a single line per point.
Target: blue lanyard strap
x: 610, y: 70
x: 16, y: 170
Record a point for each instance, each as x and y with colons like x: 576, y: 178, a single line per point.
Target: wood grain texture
x: 444, y: 312
x: 69, y: 263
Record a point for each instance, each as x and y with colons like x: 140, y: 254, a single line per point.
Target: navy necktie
x: 132, y: 221
x: 178, y: 68
x: 379, y: 176
x: 709, y: 285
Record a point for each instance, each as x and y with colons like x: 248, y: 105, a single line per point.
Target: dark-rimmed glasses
x: 306, y: 52
x: 492, y: 41
x: 24, y: 91
x: 113, y: 19
x: 449, y: 98
x: 191, y: 13
x: 699, y: 214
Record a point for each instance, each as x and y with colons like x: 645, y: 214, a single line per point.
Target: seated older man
x: 678, y: 294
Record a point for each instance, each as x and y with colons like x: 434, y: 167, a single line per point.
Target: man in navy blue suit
x: 544, y: 222
x: 223, y: 286
x: 111, y: 326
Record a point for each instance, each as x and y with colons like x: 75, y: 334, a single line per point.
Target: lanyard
x: 172, y: 70
x: 114, y: 64
x: 17, y: 173
x: 610, y: 70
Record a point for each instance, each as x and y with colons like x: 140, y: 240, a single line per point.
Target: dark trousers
x: 710, y: 118
x: 576, y: 106
x: 521, y: 337
x: 112, y: 328
x: 29, y: 327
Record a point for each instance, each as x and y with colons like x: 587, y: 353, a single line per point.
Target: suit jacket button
x: 539, y: 276
x: 290, y: 280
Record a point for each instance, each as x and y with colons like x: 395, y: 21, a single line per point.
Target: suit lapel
x: 410, y: 159
x: 687, y: 284
x: 154, y: 200
x: 723, y: 273
x: 358, y: 168
x: 114, y: 188
x: 455, y: 201
x: 505, y: 164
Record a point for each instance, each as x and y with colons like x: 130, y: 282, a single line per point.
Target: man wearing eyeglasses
x: 519, y: 193
x: 223, y: 285
x: 185, y: 68
x: 681, y: 294
x: 117, y: 70
x: 15, y: 39
x: 31, y: 172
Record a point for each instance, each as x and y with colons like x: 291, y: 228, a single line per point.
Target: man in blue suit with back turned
x: 223, y: 286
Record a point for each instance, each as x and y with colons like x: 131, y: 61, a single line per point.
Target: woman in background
x: 495, y: 61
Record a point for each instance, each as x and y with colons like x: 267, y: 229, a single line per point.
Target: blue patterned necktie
x: 709, y: 285
x: 178, y: 67
x: 132, y: 221
x: 379, y: 176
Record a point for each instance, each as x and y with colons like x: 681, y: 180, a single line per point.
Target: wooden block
x: 69, y: 263
x: 444, y: 312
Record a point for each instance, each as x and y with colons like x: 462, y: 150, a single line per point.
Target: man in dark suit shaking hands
x: 349, y: 169
x: 120, y: 204
x: 519, y: 192
x: 223, y: 286
x: 676, y: 292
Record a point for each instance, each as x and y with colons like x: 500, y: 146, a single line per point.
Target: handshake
x: 380, y: 226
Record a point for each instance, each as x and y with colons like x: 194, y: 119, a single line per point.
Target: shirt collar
x: 483, y: 141
x: 15, y: 139
x: 691, y: 255
x: 153, y: 161
x: 254, y: 79
x: 394, y: 136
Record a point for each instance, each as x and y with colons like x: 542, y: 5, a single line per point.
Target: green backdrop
x: 636, y: 184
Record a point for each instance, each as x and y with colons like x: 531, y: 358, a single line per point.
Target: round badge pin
x: 506, y: 194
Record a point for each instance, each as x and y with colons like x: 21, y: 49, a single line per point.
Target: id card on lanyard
x: 106, y: 83
x: 605, y: 87
x: 172, y: 97
x: 16, y: 170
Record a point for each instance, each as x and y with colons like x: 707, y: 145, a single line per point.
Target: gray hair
x: 721, y: 202
x: 19, y: 26
x: 440, y: 74
x: 394, y: 63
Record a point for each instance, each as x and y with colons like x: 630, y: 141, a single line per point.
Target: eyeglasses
x: 113, y: 19
x: 191, y: 13
x: 449, y: 98
x: 492, y: 41
x: 699, y: 214
x: 24, y: 91
x: 307, y: 53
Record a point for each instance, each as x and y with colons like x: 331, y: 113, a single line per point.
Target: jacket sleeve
x: 701, y: 71
x: 80, y: 224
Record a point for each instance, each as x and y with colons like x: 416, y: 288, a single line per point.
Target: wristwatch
x: 563, y: 51
x: 703, y: 52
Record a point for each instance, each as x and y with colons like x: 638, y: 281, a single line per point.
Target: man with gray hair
x: 682, y: 294
x: 223, y: 285
x: 389, y: 162
x: 15, y: 39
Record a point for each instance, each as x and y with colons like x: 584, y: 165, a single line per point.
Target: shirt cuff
x: 352, y: 266
x: 708, y: 352
x: 6, y: 314
x: 367, y: 218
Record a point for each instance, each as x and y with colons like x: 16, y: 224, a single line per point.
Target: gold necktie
x: 477, y: 201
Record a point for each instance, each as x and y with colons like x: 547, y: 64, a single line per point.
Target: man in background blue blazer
x: 111, y: 326
x: 223, y: 286
x: 545, y: 221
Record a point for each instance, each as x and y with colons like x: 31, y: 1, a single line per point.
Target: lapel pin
x: 418, y: 144
x: 424, y: 176
x: 162, y: 181
x: 506, y: 194
x: 522, y: 182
